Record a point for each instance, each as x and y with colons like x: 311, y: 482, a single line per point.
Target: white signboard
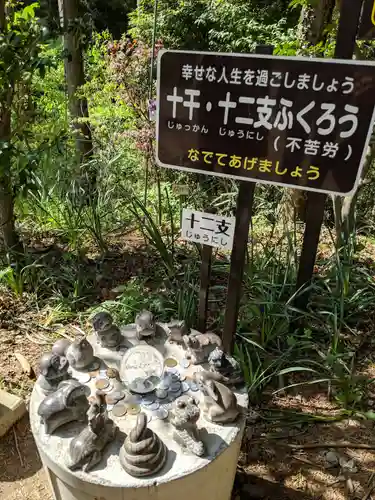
x: 208, y: 229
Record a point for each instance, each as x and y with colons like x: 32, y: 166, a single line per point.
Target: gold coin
x: 112, y: 373
x: 119, y: 410
x: 133, y: 409
x: 94, y: 374
x: 102, y: 383
x: 170, y: 362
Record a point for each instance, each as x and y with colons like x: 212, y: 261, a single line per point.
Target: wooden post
x: 204, y: 287
x: 237, y: 263
x: 205, y: 278
x: 345, y: 43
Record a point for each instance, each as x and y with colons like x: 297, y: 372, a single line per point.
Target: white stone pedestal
x: 212, y: 482
x: 184, y: 477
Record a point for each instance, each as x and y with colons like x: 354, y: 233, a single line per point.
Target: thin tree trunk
x: 10, y: 240
x: 344, y: 206
x: 311, y: 31
x: 75, y: 78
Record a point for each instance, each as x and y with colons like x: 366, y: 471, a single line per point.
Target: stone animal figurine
x: 145, y: 325
x: 143, y: 453
x: 184, y: 415
x: 225, y: 365
x: 86, y: 449
x: 176, y: 330
x: 53, y: 370
x: 199, y: 346
x: 107, y: 333
x: 66, y: 404
x: 219, y: 402
x: 60, y: 347
x: 80, y: 354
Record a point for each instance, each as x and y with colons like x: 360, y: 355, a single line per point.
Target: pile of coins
x: 155, y: 404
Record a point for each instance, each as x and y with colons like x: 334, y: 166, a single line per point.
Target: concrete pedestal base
x: 184, y: 476
x: 214, y: 481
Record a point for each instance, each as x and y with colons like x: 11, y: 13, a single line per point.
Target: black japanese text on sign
x: 294, y: 122
x: 367, y: 24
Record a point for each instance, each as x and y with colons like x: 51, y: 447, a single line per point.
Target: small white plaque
x: 141, y: 368
x: 208, y: 229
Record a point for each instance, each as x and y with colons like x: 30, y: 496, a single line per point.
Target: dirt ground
x: 21, y: 474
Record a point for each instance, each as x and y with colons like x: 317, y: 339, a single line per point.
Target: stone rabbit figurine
x: 107, y: 333
x: 143, y: 453
x: 69, y: 402
x: 219, y: 402
x: 86, y: 449
x: 80, y: 354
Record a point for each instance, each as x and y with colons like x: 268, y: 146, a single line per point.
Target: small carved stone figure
x: 53, y: 370
x: 66, y: 404
x: 145, y: 324
x: 176, y: 330
x: 219, y: 402
x: 60, y: 347
x: 86, y: 450
x: 107, y: 333
x: 80, y: 354
x: 200, y: 346
x: 226, y: 365
x: 143, y: 453
x: 184, y: 416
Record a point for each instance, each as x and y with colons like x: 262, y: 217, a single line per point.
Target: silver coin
x: 154, y: 380
x: 133, y: 398
x: 165, y: 383
x: 161, y: 413
x: 193, y: 387
x: 154, y: 406
x: 185, y: 387
x: 177, y: 394
x: 175, y: 377
x: 167, y: 406
x: 172, y: 371
x: 185, y: 363
x: 148, y: 400
x: 161, y: 393
x: 84, y: 378
x: 175, y: 387
x: 118, y: 395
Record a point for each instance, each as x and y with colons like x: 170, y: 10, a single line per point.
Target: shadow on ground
x: 251, y: 487
x: 22, y: 462
x: 21, y: 474
x: 269, y: 468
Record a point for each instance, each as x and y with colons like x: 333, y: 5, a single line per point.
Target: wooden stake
x: 237, y: 263
x: 204, y: 287
x: 345, y: 44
